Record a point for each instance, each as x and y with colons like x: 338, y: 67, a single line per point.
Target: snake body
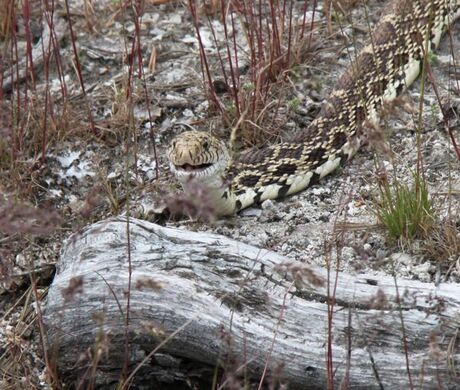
x: 388, y: 64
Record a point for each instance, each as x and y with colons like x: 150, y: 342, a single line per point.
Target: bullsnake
x: 389, y: 63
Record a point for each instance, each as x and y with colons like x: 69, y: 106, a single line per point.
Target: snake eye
x: 205, y: 145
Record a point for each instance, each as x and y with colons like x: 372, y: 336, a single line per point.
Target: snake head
x: 197, y: 154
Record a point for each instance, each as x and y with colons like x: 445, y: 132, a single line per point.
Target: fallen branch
x: 230, y: 297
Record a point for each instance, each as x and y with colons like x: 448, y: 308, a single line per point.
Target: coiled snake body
x: 391, y: 61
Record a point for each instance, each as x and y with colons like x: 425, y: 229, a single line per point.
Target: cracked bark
x: 239, y: 307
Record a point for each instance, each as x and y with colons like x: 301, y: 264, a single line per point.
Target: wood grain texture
x: 232, y: 296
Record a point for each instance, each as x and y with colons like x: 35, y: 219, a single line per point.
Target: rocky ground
x: 120, y: 165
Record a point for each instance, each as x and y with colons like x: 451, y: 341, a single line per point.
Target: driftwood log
x: 199, y: 301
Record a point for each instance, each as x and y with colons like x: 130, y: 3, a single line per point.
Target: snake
x: 387, y: 65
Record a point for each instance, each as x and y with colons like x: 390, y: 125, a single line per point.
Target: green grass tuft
x: 406, y: 211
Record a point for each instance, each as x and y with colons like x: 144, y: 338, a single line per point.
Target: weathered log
x: 235, y: 305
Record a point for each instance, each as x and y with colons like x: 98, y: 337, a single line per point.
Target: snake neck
x: 213, y: 189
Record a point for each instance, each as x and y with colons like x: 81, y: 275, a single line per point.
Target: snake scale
x: 384, y: 68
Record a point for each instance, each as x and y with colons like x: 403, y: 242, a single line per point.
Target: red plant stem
x: 229, y: 57
x: 204, y: 61
x: 138, y: 11
x: 78, y: 66
x: 17, y: 146
x: 131, y: 67
x: 43, y: 340
x: 253, y: 41
x: 235, y: 73
x: 312, y: 23
x: 288, y: 57
x: 403, y: 330
x: 221, y: 61
x: 30, y: 61
x: 140, y: 66
x: 280, y: 318
x: 445, y: 119
x: 151, y: 133
x: 56, y: 51
x: 45, y: 133
x: 304, y: 18
x: 49, y: 12
x: 53, y: 47
x: 273, y: 36
x: 260, y: 59
x: 128, y: 301
x: 330, y: 312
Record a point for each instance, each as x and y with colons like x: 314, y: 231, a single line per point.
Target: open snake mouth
x: 192, y: 168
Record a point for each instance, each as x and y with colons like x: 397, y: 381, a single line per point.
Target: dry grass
x: 251, y: 102
x: 33, y: 121
x: 39, y: 115
x: 443, y: 245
